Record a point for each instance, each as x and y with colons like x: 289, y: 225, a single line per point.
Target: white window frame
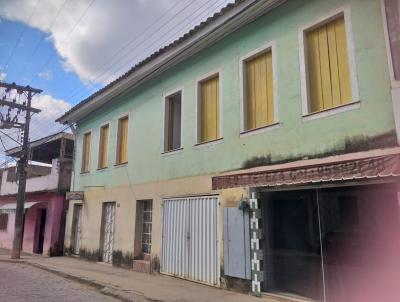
x: 305, y: 93
x: 167, y: 95
x: 90, y: 151
x: 199, y: 80
x: 270, y: 46
x: 128, y: 115
x: 108, y: 147
x: 395, y: 83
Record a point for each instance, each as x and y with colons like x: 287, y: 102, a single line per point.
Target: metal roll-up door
x: 190, y: 239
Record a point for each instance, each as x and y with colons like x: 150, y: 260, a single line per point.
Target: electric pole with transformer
x: 12, y: 101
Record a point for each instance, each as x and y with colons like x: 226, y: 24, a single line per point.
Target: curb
x: 102, y: 288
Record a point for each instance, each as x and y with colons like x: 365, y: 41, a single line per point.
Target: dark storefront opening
x: 42, y: 226
x: 319, y: 242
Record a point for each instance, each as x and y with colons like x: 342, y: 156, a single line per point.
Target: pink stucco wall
x: 54, y: 205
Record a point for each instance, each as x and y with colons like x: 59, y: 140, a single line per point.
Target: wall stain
x: 121, y: 259
x: 353, y: 144
x: 91, y: 255
x: 155, y: 264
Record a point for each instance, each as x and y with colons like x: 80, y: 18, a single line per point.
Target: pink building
x: 49, y: 176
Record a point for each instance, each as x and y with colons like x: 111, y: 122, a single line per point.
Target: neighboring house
x: 49, y: 177
x: 287, y: 103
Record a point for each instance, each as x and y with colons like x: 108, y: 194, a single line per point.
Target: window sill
x: 208, y: 143
x: 259, y: 130
x: 332, y: 111
x: 102, y: 169
x: 85, y: 173
x: 172, y: 152
x: 121, y: 165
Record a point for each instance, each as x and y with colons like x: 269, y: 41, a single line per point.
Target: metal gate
x: 77, y: 220
x: 108, y: 231
x: 190, y: 239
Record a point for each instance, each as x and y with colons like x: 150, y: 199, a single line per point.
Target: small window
x: 3, y: 222
x: 209, y: 110
x: 259, y: 91
x: 392, y: 10
x: 329, y: 79
x: 103, y: 147
x: 173, y: 121
x: 86, y: 152
x: 122, y: 145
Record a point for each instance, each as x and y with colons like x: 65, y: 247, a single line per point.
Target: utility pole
x: 7, y: 123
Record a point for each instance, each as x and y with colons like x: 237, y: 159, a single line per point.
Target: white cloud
x: 43, y: 123
x: 2, y: 76
x: 106, y: 27
x: 47, y: 75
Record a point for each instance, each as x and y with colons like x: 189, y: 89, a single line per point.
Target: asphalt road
x: 23, y: 283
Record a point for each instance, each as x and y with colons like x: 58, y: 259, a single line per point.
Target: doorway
x: 320, y: 242
x: 107, y: 233
x: 76, y: 228
x: 42, y: 227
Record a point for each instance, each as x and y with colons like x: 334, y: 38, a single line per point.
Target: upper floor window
x: 3, y: 222
x: 258, y: 90
x: 329, y: 79
x: 86, y: 152
x: 208, y: 108
x: 173, y: 122
x: 392, y: 16
x: 103, y: 147
x: 122, y: 140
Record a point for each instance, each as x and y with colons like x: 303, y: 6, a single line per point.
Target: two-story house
x: 45, y: 208
x: 258, y: 151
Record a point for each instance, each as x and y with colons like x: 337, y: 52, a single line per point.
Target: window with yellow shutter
x: 122, y: 143
x: 103, y: 147
x: 86, y: 152
x: 208, y: 122
x: 328, y: 68
x: 259, y: 105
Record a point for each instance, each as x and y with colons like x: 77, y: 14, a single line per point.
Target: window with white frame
x: 86, y: 152
x: 258, y: 93
x: 173, y: 122
x: 392, y: 16
x: 208, y: 116
x: 329, y: 79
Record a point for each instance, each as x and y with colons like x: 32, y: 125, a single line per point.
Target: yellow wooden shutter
x: 103, y: 160
x: 259, y: 91
x: 328, y: 66
x: 86, y: 152
x: 171, y: 124
x: 209, y: 98
x: 123, y: 141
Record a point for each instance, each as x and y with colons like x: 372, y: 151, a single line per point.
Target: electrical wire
x: 25, y: 27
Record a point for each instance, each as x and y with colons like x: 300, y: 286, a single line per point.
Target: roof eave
x: 244, y: 13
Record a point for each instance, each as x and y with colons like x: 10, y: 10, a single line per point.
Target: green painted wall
x: 294, y: 137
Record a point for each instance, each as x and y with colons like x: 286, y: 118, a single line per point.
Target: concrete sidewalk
x: 132, y: 286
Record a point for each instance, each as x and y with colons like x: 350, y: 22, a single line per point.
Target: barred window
x: 3, y: 222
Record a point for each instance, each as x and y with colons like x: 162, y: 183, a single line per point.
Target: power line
x: 109, y: 60
x: 157, y: 42
x: 69, y: 33
x: 20, y: 36
x: 40, y: 41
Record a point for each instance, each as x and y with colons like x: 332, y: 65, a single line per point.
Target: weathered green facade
x: 152, y: 175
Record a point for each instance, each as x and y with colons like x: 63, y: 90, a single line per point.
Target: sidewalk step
x: 142, y: 266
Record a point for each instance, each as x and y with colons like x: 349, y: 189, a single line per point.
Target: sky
x: 71, y: 48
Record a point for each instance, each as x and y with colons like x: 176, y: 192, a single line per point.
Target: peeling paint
x: 91, y: 255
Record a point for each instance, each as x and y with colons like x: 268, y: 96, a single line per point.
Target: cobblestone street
x: 23, y: 283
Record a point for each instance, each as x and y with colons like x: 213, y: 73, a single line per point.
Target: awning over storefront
x: 11, y: 207
x: 353, y: 166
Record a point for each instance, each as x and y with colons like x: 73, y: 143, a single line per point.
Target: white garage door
x: 190, y: 239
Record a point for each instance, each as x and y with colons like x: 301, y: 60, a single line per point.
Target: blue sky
x: 36, y: 62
